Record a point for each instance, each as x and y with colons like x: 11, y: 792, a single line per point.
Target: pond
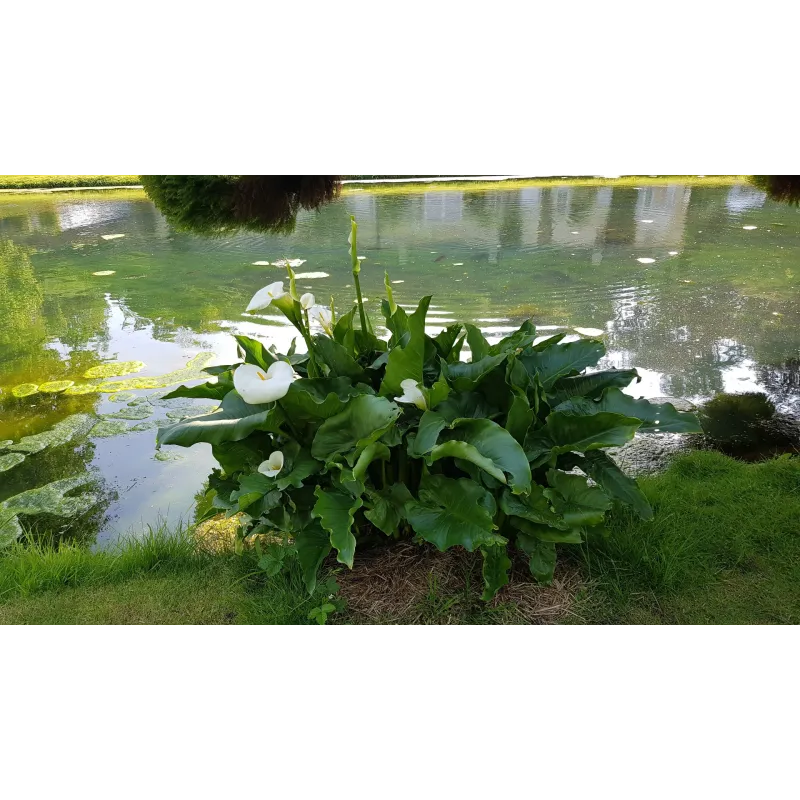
x: 695, y: 286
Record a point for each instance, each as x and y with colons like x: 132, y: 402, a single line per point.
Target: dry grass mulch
x: 411, y: 584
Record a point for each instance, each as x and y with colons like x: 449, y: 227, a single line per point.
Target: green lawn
x: 724, y: 547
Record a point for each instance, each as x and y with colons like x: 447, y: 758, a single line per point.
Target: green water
x: 717, y: 309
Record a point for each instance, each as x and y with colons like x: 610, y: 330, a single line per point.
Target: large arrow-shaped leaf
x: 581, y: 433
x: 600, y: 468
x: 319, y: 398
x: 313, y: 544
x: 364, y: 420
x: 662, y: 417
x: 452, y: 512
x: 593, y: 384
x: 496, y: 565
x: 577, y: 502
x: 335, y: 511
x: 407, y: 361
x: 561, y: 360
x: 234, y: 420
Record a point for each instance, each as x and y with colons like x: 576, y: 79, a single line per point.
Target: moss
x: 10, y: 460
x: 67, y: 430
x: 147, y: 425
x: 167, y: 455
x: 54, y: 387
x: 115, y: 369
x: 6, y: 443
x: 82, y: 388
x: 192, y: 371
x: 25, y: 390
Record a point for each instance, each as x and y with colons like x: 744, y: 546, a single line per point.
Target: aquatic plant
x: 730, y: 418
x: 360, y: 439
x: 114, y: 369
x: 67, y: 430
x: 25, y: 390
x: 10, y: 460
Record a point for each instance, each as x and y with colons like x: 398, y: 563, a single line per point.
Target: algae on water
x: 135, y: 413
x: 48, y: 499
x: 147, y: 425
x: 192, y: 371
x: 6, y: 443
x: 25, y: 390
x: 53, y: 387
x: 83, y: 388
x: 109, y: 427
x: 114, y: 369
x: 10, y: 460
x: 167, y: 455
x: 67, y: 430
x: 121, y: 397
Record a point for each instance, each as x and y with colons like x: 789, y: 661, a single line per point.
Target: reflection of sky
x: 83, y: 215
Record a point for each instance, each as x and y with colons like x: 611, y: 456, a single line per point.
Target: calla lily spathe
x: 307, y: 301
x: 257, y: 386
x: 273, y: 465
x: 411, y: 394
x: 324, y: 317
x: 263, y: 297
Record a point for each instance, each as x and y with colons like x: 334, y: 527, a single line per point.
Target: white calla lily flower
x: 257, y: 386
x: 412, y: 394
x: 263, y: 297
x: 324, y: 317
x: 273, y: 465
x: 307, y: 301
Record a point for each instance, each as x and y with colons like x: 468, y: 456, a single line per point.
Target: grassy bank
x: 65, y: 181
x: 32, y: 182
x: 724, y: 547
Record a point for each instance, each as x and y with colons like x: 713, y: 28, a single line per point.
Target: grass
x: 63, y: 181
x: 723, y: 548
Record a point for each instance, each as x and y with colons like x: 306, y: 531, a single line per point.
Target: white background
x: 398, y: 88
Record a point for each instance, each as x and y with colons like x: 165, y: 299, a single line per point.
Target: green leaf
x: 344, y: 325
x: 212, y: 391
x: 518, y: 340
x: 234, y: 420
x: 364, y: 420
x: 336, y: 357
x: 318, y: 398
x: 255, y: 352
x: 335, y: 511
x: 577, y: 502
x: 548, y: 342
x: 464, y: 377
x: 455, y: 352
x: 542, y: 557
x: 431, y: 425
x: 497, y: 444
x: 561, y: 360
x: 582, y: 433
x: 370, y: 453
x: 545, y: 533
x: 496, y: 565
x: 520, y: 414
x: 655, y: 416
x: 437, y: 393
x: 477, y: 343
x: 313, y: 544
x: 388, y: 507
x: 445, y: 340
x: 407, y: 361
x: 452, y: 512
x: 593, y: 384
x: 466, y: 452
x: 533, y: 507
x: 600, y: 468
x: 465, y: 405
x: 301, y: 465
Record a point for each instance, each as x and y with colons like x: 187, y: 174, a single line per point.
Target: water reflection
x: 716, y: 308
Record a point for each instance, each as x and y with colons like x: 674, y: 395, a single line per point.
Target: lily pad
x: 147, y: 425
x: 67, y: 430
x: 53, y: 387
x: 10, y: 460
x: 109, y: 427
x: 25, y: 390
x: 82, y: 388
x: 114, y: 369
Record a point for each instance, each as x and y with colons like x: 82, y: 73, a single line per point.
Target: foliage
x: 219, y: 204
x: 782, y: 188
x: 402, y: 439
